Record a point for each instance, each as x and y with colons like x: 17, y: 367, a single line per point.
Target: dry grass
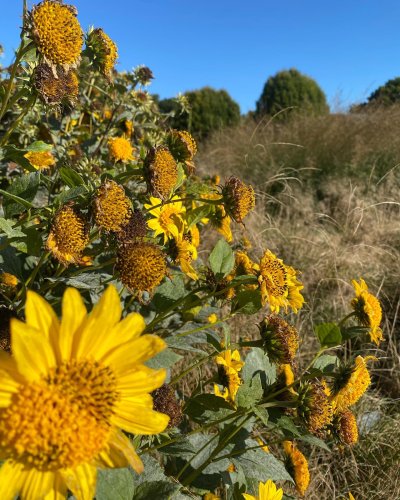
x: 328, y: 204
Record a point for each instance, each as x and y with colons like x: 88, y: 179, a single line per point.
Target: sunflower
x: 229, y: 365
x: 102, y: 51
x: 345, y: 427
x: 266, y: 491
x: 279, y: 284
x: 314, y: 406
x: 56, y: 89
x: 161, y: 172
x: 167, y: 219
x: 368, y: 311
x: 111, y: 206
x: 352, y: 384
x: 67, y: 393
x: 41, y: 160
x: 184, y: 252
x: 239, y: 198
x: 298, y: 466
x: 57, y: 33
x: 120, y: 149
x: 280, y: 339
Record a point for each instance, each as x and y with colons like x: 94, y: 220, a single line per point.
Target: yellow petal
x: 121, y: 453
x: 37, y: 484
x: 137, y: 418
x: 10, y: 378
x: 73, y: 314
x: 59, y: 489
x: 11, y: 480
x: 81, y: 481
x: 123, y: 358
x: 32, y: 352
x: 141, y: 380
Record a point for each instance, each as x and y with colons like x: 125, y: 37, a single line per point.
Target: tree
x: 386, y: 94
x: 210, y: 110
x: 288, y: 89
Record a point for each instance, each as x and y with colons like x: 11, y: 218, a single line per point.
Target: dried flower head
x: 368, y: 310
x: 279, y: 284
x: 102, y: 51
x: 345, y: 427
x: 141, y: 266
x: 297, y: 466
x: 57, y: 33
x: 68, y: 236
x: 314, y: 407
x: 239, y: 198
x: 280, y: 339
x: 351, y: 383
x: 164, y: 401
x: 161, y: 172
x: 56, y: 87
x: 120, y: 149
x: 41, y: 160
x: 135, y: 228
x: 111, y: 206
x: 144, y: 75
x: 5, y: 336
x: 183, y: 147
x: 8, y: 280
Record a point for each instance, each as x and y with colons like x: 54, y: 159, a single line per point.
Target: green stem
x: 30, y: 103
x: 343, y: 321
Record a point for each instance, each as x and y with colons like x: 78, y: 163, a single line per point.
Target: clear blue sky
x: 349, y: 46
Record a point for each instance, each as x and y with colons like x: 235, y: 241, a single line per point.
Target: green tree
x: 291, y: 89
x: 386, y: 94
x: 210, y: 110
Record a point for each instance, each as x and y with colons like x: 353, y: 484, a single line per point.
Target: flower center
x: 62, y: 420
x: 275, y: 276
x: 168, y: 216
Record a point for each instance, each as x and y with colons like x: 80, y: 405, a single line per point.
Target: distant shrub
x: 210, y: 110
x: 290, y: 88
x: 386, y: 94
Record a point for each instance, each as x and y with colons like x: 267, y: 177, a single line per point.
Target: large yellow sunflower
x: 367, y: 310
x: 229, y: 365
x: 167, y: 219
x: 66, y: 393
x: 266, y: 491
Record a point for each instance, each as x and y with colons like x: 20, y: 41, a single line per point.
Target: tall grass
x: 328, y: 202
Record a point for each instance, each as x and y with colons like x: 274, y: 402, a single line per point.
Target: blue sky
x: 349, y: 46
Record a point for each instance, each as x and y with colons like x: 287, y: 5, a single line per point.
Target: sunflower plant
x: 122, y: 272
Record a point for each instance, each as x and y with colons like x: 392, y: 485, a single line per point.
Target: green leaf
x: 164, y: 359
x: 221, y: 259
x: 262, y: 414
x: 287, y: 424
x: 70, y: 194
x: 21, y: 192
x: 195, y: 216
x: 248, y: 302
x: 39, y: 147
x: 207, y: 408
x: 328, y: 334
x: 249, y: 394
x: 115, y: 484
x: 314, y: 441
x: 31, y: 243
x: 182, y: 448
x: 7, y: 228
x: 70, y: 177
x: 326, y: 363
x: 157, y: 489
x: 169, y: 292
x: 257, y: 362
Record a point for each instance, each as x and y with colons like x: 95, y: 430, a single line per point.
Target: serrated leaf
x: 70, y: 194
x: 115, y: 484
x: 257, y: 362
x: 221, y: 259
x: 181, y: 448
x: 249, y: 393
x: 157, y: 489
x: 195, y: 216
x: 328, y: 334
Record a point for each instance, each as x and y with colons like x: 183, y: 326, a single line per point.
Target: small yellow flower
x: 120, y: 149
x: 184, y: 253
x: 141, y: 266
x: 112, y: 208
x: 222, y: 223
x: 266, y: 491
x: 167, y: 219
x: 41, y: 160
x: 352, y: 385
x: 161, y: 172
x: 103, y: 51
x: 8, y: 280
x: 194, y: 235
x: 211, y: 496
x: 57, y: 33
x: 68, y: 236
x: 183, y: 147
x: 279, y: 284
x: 231, y: 468
x: 128, y: 128
x: 368, y: 310
x: 229, y: 365
x: 280, y: 339
x: 264, y: 447
x: 212, y: 318
x: 239, y: 198
x: 68, y: 391
x: 314, y: 407
x: 298, y: 466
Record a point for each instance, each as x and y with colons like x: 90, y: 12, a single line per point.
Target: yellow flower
x: 112, y: 208
x: 279, y: 284
x: 229, y: 365
x: 368, y: 310
x: 298, y: 466
x: 345, y: 425
x: 40, y: 159
x: 161, y: 172
x: 183, y: 147
x: 351, y: 496
x: 56, y: 89
x: 120, y: 149
x: 8, y: 280
x: 128, y: 128
x: 264, y: 447
x: 212, y: 318
x: 352, y: 385
x: 184, y: 253
x: 68, y: 236
x: 266, y: 491
x: 280, y: 339
x: 222, y: 223
x: 141, y: 266
x: 288, y: 374
x: 57, y: 33
x: 67, y: 393
x: 194, y: 235
x: 239, y: 198
x: 314, y: 407
x: 103, y: 51
x: 167, y: 219
x: 211, y: 496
